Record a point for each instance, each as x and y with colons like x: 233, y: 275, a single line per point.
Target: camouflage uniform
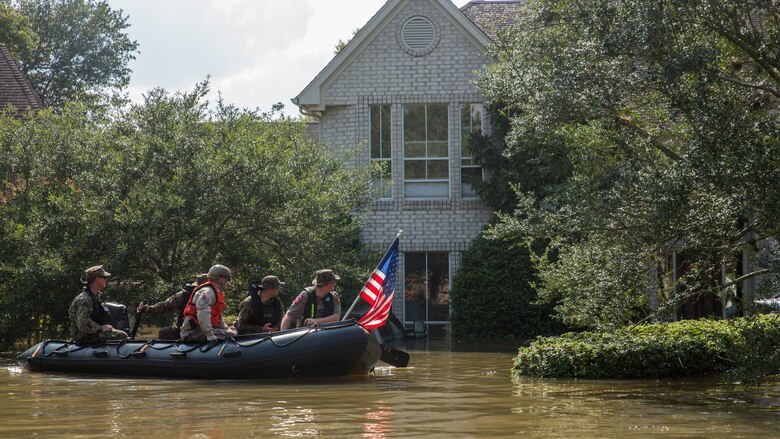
x: 172, y: 304
x: 175, y: 304
x: 83, y: 328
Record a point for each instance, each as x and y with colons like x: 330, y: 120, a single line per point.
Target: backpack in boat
x: 119, y: 317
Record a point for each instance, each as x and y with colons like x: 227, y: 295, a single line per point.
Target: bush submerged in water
x: 739, y: 349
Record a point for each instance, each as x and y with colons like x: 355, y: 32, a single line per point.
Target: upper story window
x: 379, y: 146
x: 426, y: 151
x: 471, y: 121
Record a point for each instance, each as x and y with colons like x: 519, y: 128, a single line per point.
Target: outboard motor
x: 119, y: 316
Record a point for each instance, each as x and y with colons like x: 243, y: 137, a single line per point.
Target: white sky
x: 258, y: 52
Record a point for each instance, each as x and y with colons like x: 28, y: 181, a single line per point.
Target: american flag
x: 378, y: 290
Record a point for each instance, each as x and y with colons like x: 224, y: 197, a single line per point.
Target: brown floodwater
x: 453, y: 388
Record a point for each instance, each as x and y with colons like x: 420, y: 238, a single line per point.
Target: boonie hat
x: 324, y: 277
x: 201, y: 278
x: 96, y: 271
x: 271, y: 282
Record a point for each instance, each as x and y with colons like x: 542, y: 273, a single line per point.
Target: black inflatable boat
x: 334, y: 349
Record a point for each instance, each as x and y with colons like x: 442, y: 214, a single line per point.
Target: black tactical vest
x: 100, y: 313
x: 263, y: 313
x: 310, y: 311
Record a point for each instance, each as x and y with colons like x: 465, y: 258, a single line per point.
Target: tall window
x: 379, y: 144
x: 426, y: 151
x: 470, y: 123
x: 427, y: 291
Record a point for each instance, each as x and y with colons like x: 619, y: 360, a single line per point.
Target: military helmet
x: 218, y: 271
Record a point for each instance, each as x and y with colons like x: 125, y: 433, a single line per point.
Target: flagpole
x: 349, y: 311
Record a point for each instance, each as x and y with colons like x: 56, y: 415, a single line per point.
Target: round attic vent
x: 418, y: 36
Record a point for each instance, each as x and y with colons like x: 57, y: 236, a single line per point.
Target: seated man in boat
x: 203, y: 312
x: 90, y: 320
x: 315, y: 304
x: 263, y: 311
x: 175, y: 303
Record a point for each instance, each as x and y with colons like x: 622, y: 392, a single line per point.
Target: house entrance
x: 427, y: 294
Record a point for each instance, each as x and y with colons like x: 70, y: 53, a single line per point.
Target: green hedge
x: 492, y: 294
x: 739, y: 349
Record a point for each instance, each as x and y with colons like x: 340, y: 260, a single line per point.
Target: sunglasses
x: 226, y: 277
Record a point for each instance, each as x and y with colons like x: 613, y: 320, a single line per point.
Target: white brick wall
x: 382, y: 73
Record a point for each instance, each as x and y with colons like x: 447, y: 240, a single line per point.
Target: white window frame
x: 421, y: 183
x: 389, y: 159
x: 466, y: 190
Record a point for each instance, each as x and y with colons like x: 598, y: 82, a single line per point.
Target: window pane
x: 437, y: 122
x: 385, y: 131
x: 438, y: 287
x: 382, y: 188
x: 415, y: 287
x: 414, y: 149
x: 381, y: 171
x: 438, y: 169
x: 414, y: 123
x: 471, y: 122
x: 414, y: 170
x: 380, y: 131
x: 426, y: 189
x: 375, y: 132
x: 437, y: 149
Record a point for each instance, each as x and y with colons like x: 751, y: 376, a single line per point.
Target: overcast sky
x: 258, y: 52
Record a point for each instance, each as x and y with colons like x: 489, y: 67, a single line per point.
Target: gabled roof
x: 15, y: 88
x: 311, y: 96
x: 494, y: 15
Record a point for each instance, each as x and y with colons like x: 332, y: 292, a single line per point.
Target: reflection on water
x: 453, y: 388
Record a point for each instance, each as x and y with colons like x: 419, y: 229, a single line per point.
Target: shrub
x: 492, y: 295
x: 739, y: 349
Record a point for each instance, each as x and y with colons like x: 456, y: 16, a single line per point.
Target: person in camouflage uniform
x: 315, y: 304
x: 261, y: 312
x: 175, y: 304
x: 90, y: 320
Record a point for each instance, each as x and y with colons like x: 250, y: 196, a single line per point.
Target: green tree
x: 80, y: 49
x: 15, y: 31
x: 161, y: 191
x: 664, y: 112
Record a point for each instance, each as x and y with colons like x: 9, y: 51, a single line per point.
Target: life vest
x: 310, y: 311
x: 191, y: 310
x: 186, y: 293
x: 100, y: 313
x: 263, y: 313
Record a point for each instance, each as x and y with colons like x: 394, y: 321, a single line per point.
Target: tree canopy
x: 159, y: 192
x: 69, y: 49
x: 662, y: 115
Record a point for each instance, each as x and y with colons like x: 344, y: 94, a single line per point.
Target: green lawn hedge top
x: 738, y: 349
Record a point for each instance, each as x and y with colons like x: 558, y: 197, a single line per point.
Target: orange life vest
x: 191, y: 310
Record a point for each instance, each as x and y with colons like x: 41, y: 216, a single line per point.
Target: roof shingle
x: 15, y: 88
x: 492, y: 16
